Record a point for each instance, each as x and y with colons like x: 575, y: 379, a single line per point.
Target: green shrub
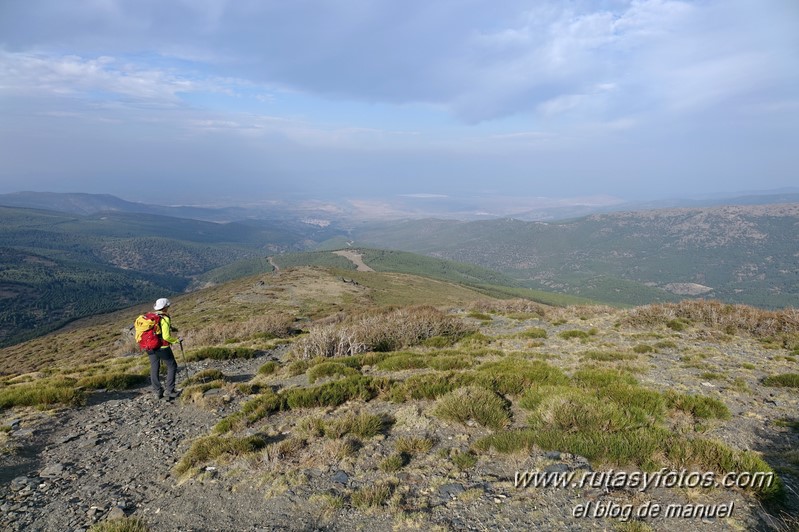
x: 678, y: 324
x: 439, y: 342
x: 112, y: 381
x: 403, y: 361
x: 209, y: 448
x: 512, y: 376
x: 411, y: 445
x: 573, y: 333
x: 475, y: 339
x: 428, y: 386
x: 395, y: 462
x: 474, y: 403
x: 193, y: 389
x: 252, y: 411
x: 298, y: 367
x: 697, y: 405
x: 371, y: 496
x: 602, y: 377
x: 268, y: 368
x: 448, y: 363
x: 248, y: 388
x: 643, y: 348
x: 363, y: 425
x: 786, y: 380
x: 124, y: 524
x: 43, y: 394
x: 607, y: 356
x: 336, y: 392
x: 479, y: 316
x: 204, y: 376
x: 463, y: 460
x: 533, y: 333
x: 330, y: 369
x: 647, y: 448
x: 222, y: 353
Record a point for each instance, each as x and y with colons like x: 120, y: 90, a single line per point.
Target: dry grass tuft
x: 721, y: 316
x: 263, y: 326
x: 377, y: 331
x: 510, y: 306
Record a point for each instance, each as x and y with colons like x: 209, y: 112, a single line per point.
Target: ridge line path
x: 355, y: 258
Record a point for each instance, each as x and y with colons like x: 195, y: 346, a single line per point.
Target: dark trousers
x: 156, y: 356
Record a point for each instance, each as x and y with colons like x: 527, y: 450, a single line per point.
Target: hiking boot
x: 173, y: 394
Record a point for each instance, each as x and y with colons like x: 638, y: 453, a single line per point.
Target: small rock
x: 68, y: 438
x: 52, y: 471
x: 557, y: 468
x: 340, y: 477
x: 116, y: 513
x: 450, y: 490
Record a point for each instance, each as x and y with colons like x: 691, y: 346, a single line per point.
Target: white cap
x: 161, y: 304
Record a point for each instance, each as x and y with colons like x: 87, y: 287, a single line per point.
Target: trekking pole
x: 183, y: 357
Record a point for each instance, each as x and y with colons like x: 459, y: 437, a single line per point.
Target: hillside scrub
x: 785, y: 380
x: 262, y: 326
x: 378, y: 330
x: 510, y: 306
x: 222, y: 353
x: 42, y: 394
x: 721, y: 316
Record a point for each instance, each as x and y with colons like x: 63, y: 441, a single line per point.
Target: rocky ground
x: 66, y: 470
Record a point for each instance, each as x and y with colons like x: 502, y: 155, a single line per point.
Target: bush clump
x: 379, y: 331
x: 113, y: 381
x: 222, y: 353
x: 124, y: 524
x: 268, y: 368
x: 335, y: 393
x: 720, y: 316
x: 43, y: 394
x: 785, y: 380
x: 474, y: 403
x: 573, y: 333
x: 330, y: 369
x: 208, y: 448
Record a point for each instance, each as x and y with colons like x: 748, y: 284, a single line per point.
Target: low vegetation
x: 377, y: 331
x: 390, y: 394
x: 786, y: 380
x: 124, y: 524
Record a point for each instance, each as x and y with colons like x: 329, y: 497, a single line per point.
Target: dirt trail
x: 354, y: 257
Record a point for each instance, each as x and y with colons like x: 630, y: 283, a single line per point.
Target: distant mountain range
x: 66, y: 256
x: 468, y: 207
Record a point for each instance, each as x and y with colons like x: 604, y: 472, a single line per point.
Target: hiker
x: 164, y: 352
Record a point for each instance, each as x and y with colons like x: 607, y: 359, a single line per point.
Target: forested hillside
x: 744, y: 254
x: 56, y: 267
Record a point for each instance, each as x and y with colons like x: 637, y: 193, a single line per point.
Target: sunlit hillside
x: 365, y: 399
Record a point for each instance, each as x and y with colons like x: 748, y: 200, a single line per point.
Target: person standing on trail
x: 164, y: 352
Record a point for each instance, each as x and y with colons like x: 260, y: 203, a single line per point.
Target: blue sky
x: 245, y: 100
